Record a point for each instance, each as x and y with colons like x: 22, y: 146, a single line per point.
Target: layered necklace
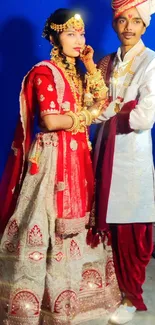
x: 67, y: 65
x: 122, y: 71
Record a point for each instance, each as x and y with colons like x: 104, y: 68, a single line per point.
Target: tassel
x: 96, y: 240
x: 103, y: 237
x: 89, y: 237
x: 109, y: 238
x: 34, y: 169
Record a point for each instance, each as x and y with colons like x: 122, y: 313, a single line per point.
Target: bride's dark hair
x: 60, y: 16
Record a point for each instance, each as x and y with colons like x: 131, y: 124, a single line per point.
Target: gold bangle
x: 97, y: 111
x: 82, y: 123
x: 87, y: 115
x: 95, y: 84
x: 79, y: 124
x: 93, y: 115
x: 75, y: 121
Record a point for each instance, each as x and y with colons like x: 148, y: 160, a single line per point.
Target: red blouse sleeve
x: 46, y: 94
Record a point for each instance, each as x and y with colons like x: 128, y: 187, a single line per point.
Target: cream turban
x: 145, y: 8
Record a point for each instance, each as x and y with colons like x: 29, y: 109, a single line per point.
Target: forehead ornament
x: 75, y: 22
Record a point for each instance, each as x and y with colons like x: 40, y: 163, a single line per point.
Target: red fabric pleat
x: 132, y: 247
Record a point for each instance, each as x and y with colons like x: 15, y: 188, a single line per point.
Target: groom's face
x: 129, y: 27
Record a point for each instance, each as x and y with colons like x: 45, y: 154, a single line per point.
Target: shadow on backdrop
x: 16, y: 58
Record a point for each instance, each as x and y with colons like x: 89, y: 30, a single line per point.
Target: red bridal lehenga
x: 48, y: 274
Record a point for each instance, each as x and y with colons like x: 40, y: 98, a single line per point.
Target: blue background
x: 21, y: 46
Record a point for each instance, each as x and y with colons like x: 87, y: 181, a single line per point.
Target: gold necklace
x: 121, y: 72
x: 74, y: 79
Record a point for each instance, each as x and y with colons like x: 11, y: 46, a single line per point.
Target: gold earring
x: 55, y: 52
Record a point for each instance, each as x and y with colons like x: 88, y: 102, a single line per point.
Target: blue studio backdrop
x: 21, y: 46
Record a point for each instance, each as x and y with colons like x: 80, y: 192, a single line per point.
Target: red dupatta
x: 103, y: 160
x: 16, y: 166
x: 13, y: 174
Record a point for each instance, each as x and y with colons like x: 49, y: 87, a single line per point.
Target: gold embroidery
x: 117, y: 108
x: 122, y: 71
x: 73, y: 78
x: 103, y: 66
x: 39, y: 81
x: 50, y: 88
x: 71, y: 226
x: 48, y: 112
x: 42, y: 98
x: 66, y: 106
x: 52, y: 104
x: 73, y: 145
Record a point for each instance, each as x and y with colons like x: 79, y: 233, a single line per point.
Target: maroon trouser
x: 132, y: 247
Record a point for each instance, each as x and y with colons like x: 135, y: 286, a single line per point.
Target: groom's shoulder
x: 106, y: 59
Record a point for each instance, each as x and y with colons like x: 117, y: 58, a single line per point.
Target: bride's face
x: 72, y: 42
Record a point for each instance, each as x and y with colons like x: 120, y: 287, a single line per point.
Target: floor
x: 141, y: 318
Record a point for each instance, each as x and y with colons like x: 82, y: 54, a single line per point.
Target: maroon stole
x: 104, y: 155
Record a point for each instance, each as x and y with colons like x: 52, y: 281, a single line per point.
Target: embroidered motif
x: 35, y: 237
x: 91, y: 279
x: 66, y: 106
x: 74, y: 250
x: 51, y: 139
x: 54, y: 139
x: 59, y: 256
x: 109, y: 272
x: 11, y: 247
x: 42, y: 98
x: 66, y: 303
x: 60, y: 186
x: 103, y: 66
x: 13, y: 229
x: 36, y: 256
x: 52, y: 104
x: 39, y: 81
x: 73, y: 145
x: 50, y: 88
x: 25, y: 303
x: 71, y: 226
x: 58, y: 79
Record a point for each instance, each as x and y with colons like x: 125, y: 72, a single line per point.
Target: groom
x: 123, y: 155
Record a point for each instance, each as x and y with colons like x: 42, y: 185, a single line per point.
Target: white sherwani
x: 131, y: 198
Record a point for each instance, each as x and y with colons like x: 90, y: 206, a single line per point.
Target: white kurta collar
x: 131, y: 53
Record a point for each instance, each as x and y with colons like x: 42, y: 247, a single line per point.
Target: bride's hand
x: 87, y: 58
x: 98, y: 108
